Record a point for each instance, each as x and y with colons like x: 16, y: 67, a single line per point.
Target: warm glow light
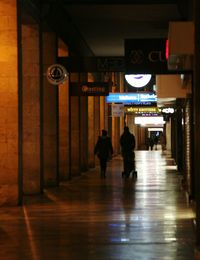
x: 138, y: 80
x: 154, y: 129
x: 149, y: 120
x: 167, y: 49
x: 168, y: 110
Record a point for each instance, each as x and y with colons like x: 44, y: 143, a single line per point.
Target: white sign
x: 138, y: 80
x: 168, y: 110
x: 56, y: 74
x: 117, y: 110
x: 150, y: 120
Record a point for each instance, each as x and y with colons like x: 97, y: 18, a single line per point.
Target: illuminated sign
x: 167, y: 49
x: 142, y: 109
x: 138, y: 80
x: 132, y: 98
x: 151, y: 120
x: 89, y: 89
x: 168, y: 110
x: 155, y: 129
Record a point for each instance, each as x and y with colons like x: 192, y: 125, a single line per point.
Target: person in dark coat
x: 127, y: 142
x: 156, y: 141
x: 103, y: 149
x: 151, y: 143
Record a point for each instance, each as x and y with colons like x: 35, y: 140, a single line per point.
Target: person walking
x: 156, y: 142
x: 103, y: 149
x: 151, y: 143
x: 127, y: 142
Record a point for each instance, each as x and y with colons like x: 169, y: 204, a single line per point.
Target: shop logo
x: 56, y: 74
x: 137, y: 56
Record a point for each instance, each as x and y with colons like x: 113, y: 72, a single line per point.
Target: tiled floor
x: 105, y: 219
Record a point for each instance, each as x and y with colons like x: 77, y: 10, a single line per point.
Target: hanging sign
x: 145, y: 56
x: 117, y: 110
x: 143, y: 98
x: 93, y: 64
x: 89, y: 89
x: 132, y: 109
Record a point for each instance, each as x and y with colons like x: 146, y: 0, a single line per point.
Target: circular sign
x: 56, y: 74
x: 138, y: 80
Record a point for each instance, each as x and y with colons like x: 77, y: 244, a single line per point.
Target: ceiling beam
x: 111, y: 2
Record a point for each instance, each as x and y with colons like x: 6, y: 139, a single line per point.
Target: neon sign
x: 132, y: 98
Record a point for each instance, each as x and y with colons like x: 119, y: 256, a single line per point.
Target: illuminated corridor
x: 112, y: 218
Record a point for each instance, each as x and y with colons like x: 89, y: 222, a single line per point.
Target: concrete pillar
x: 92, y: 139
x: 102, y: 112
x: 168, y: 135
x: 97, y: 117
x: 75, y: 137
x: 31, y: 109
x: 8, y: 103
x: 83, y: 128
x: 63, y: 120
x: 91, y: 132
x: 74, y: 130
x: 116, y: 120
x: 84, y: 133
x: 50, y: 114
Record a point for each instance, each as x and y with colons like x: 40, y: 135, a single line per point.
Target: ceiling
x: 105, y: 27
x: 101, y: 26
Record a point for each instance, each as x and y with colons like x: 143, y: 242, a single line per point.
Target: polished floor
x: 147, y: 218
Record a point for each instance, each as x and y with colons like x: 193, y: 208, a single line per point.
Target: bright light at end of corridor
x: 138, y: 80
x: 149, y: 120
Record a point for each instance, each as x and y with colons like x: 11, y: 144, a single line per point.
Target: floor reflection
x: 98, y: 219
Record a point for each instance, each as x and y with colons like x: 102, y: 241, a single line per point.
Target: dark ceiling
x: 103, y: 25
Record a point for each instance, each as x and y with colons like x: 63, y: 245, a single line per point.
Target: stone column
x: 50, y: 114
x: 97, y: 117
x: 91, y: 132
x: 31, y: 109
x: 92, y: 139
x: 63, y: 120
x: 8, y: 103
x: 74, y: 130
x: 83, y: 128
x: 102, y: 112
x: 84, y: 133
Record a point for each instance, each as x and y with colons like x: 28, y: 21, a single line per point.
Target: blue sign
x: 132, y: 98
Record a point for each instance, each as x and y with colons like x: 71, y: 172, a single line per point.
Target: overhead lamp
x: 138, y: 80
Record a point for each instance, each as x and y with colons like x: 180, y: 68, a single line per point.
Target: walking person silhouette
x: 127, y: 142
x: 103, y: 149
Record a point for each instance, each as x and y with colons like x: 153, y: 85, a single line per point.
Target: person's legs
x: 126, y: 165
x: 104, y: 168
x: 103, y: 164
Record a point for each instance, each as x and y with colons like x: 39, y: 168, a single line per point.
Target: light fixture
x: 138, y: 80
x: 150, y: 120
